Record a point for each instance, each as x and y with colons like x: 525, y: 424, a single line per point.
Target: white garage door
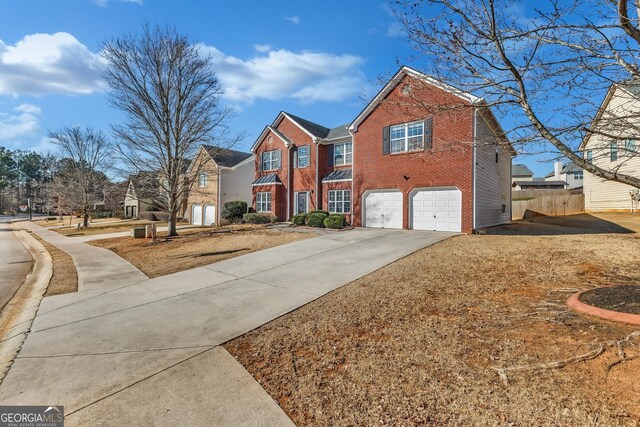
x: 437, y: 209
x: 196, y: 214
x: 209, y: 215
x: 383, y: 209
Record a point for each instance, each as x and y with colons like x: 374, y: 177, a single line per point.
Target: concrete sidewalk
x: 98, y: 268
x: 150, y: 351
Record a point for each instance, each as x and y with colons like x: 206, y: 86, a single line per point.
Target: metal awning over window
x: 270, y: 179
x: 338, y: 175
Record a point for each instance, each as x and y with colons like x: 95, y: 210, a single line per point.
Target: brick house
x: 217, y: 175
x: 421, y: 155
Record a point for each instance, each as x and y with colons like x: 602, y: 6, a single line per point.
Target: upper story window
x: 342, y: 154
x: 202, y: 181
x: 271, y: 160
x: 630, y: 145
x: 590, y: 156
x: 303, y: 156
x: 578, y: 175
x: 613, y: 151
x: 407, y: 137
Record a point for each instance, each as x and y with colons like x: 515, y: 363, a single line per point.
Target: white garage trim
x: 209, y: 215
x: 445, y: 212
x: 390, y: 216
x: 196, y: 219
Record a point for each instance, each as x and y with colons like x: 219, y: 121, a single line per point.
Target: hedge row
x: 319, y: 219
x: 258, y: 218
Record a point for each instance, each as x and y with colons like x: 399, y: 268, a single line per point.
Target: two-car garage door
x: 438, y: 209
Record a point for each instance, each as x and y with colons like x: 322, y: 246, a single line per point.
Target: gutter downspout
x: 318, y: 201
x: 475, y: 136
x: 353, y: 177
x: 288, y: 215
x: 218, y: 208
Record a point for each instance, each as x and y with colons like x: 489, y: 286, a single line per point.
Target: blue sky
x: 319, y: 60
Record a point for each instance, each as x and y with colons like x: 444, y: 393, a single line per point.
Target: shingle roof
x: 339, y: 132
x: 539, y: 183
x: 568, y: 167
x: 226, y: 157
x: 270, y: 179
x: 311, y: 127
x: 633, y: 86
x: 338, y: 175
x: 521, y: 170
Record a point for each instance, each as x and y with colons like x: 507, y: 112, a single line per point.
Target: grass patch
x: 65, y: 277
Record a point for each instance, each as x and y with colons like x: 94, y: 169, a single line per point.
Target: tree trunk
x: 172, y: 226
x: 85, y: 219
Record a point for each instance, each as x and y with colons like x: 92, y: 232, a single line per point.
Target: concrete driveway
x: 148, y: 353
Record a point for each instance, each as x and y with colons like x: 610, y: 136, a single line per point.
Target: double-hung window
x: 613, y: 151
x: 578, y: 175
x: 407, y: 137
x: 590, y: 156
x: 263, y: 201
x: 339, y: 201
x: 303, y: 156
x: 343, y: 154
x: 202, y: 181
x: 271, y: 160
x: 630, y: 145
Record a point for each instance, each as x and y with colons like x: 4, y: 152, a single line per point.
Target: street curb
x: 18, y: 315
x: 574, y: 303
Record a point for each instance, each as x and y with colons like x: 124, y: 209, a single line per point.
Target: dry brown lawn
x: 196, y: 248
x: 65, y: 277
x: 416, y: 343
x: 103, y: 228
x: 71, y: 220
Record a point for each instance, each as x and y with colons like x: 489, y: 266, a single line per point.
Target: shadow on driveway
x: 606, y: 223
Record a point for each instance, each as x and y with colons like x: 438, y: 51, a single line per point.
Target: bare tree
x: 170, y: 95
x: 547, y: 69
x: 80, y: 179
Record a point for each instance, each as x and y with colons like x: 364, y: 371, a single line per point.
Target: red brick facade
x: 448, y: 162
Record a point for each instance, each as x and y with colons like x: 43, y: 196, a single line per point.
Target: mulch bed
x: 624, y: 298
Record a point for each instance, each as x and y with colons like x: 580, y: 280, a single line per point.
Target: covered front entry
x: 383, y: 209
x: 438, y: 209
x: 196, y: 214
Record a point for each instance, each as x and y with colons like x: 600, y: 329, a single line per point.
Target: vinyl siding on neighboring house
x: 601, y: 194
x: 235, y: 184
x: 493, y: 179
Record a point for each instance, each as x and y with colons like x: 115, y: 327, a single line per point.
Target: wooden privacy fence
x: 564, y: 204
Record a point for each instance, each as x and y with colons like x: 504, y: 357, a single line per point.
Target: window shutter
x: 260, y: 162
x: 428, y: 133
x: 295, y: 157
x: 386, y: 144
x: 330, y: 155
x: 279, y: 157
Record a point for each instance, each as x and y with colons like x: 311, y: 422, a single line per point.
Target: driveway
x: 148, y: 352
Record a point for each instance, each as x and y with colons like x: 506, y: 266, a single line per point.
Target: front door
x: 301, y: 205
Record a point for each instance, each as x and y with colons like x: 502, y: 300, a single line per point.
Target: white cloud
x: 279, y: 74
x: 42, y: 64
x: 262, y: 48
x: 22, y: 122
x: 396, y: 29
x: 104, y: 3
x: 295, y: 20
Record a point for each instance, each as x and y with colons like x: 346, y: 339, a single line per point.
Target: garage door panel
x: 437, y: 209
x: 383, y: 209
x: 209, y: 215
x: 196, y: 214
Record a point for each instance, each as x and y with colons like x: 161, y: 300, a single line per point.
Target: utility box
x: 138, y: 232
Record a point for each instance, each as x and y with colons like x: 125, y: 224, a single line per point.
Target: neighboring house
x: 520, y: 172
x: 622, y: 103
x: 539, y: 184
x: 570, y: 173
x: 399, y: 164
x: 139, y: 194
x: 217, y: 176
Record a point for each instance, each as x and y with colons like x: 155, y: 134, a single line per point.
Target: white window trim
x: 341, y: 202
x: 200, y: 180
x: 271, y: 160
x: 344, y: 154
x: 406, y: 137
x: 296, y: 196
x: 308, y: 157
x: 261, y: 202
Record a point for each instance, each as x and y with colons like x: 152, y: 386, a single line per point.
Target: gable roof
x: 631, y: 87
x: 520, y: 170
x: 314, y: 129
x: 396, y: 79
x: 226, y: 157
x: 567, y: 167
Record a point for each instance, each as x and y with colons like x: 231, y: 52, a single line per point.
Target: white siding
x: 492, y: 179
x: 610, y: 195
x: 235, y: 184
